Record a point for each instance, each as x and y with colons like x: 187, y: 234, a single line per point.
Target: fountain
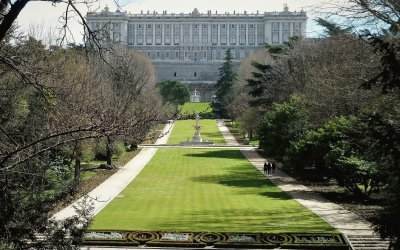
x: 196, y: 139
x: 197, y: 127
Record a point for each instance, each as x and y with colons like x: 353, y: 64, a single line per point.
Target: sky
x: 40, y: 18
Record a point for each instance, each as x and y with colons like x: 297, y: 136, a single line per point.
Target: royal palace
x: 191, y: 47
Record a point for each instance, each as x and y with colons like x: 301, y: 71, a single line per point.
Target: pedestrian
x: 273, y: 167
x: 269, y: 167
x: 265, y: 167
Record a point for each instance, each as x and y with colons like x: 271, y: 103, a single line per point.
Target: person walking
x: 265, y: 167
x: 273, y: 167
x: 269, y: 167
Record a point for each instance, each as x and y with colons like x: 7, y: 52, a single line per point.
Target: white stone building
x: 191, y: 47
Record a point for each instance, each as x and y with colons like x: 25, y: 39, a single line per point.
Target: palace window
x: 232, y: 26
x: 149, y: 26
x: 251, y: 26
x: 242, y: 26
x: 205, y: 26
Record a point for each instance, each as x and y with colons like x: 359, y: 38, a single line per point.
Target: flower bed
x: 221, y: 240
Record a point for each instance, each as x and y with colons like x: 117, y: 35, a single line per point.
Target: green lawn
x: 183, y: 129
x: 205, y: 190
x: 193, y: 107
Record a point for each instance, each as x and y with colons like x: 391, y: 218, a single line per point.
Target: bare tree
x: 239, y: 109
x: 134, y: 102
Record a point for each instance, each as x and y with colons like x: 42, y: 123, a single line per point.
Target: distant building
x: 191, y: 47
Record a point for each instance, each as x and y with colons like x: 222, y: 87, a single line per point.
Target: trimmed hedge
x: 325, y: 241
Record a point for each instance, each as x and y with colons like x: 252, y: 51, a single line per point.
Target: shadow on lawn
x: 244, y: 179
x: 228, y: 154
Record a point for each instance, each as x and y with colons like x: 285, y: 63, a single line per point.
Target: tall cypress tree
x: 227, y: 77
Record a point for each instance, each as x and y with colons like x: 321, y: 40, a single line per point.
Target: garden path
x: 109, y: 189
x: 340, y: 218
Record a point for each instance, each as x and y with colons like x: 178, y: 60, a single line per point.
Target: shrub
x: 118, y: 148
x: 87, y: 151
x: 305, y: 157
x: 284, y: 123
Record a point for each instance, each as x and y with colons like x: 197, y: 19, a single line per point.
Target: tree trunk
x: 78, y: 158
x: 109, y: 150
x: 250, y: 134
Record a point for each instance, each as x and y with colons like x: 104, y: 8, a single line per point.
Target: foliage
x: 227, y: 78
x: 331, y: 28
x: 387, y: 46
x: 308, y: 151
x: 100, y: 149
x: 51, y: 101
x: 357, y: 152
x: 263, y: 75
x: 174, y: 92
x: 388, y: 219
x: 359, y: 176
x: 284, y: 123
x: 240, y: 109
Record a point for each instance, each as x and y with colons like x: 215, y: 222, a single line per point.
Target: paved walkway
x: 229, y: 138
x: 340, y: 218
x: 109, y: 189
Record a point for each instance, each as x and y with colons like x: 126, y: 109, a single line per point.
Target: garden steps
x: 368, y: 242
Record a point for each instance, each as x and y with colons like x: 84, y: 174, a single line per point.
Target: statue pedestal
x: 197, y: 137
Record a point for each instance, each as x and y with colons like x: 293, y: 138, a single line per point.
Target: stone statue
x: 197, y: 127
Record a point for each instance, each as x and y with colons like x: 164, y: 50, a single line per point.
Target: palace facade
x: 191, y: 47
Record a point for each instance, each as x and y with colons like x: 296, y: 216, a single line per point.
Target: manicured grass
x: 205, y: 190
x: 193, y: 107
x: 183, y: 129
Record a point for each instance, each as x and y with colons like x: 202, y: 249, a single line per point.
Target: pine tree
x: 257, y: 84
x: 227, y: 77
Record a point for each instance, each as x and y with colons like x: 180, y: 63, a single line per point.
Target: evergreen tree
x: 174, y: 92
x: 227, y: 78
x: 261, y: 78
